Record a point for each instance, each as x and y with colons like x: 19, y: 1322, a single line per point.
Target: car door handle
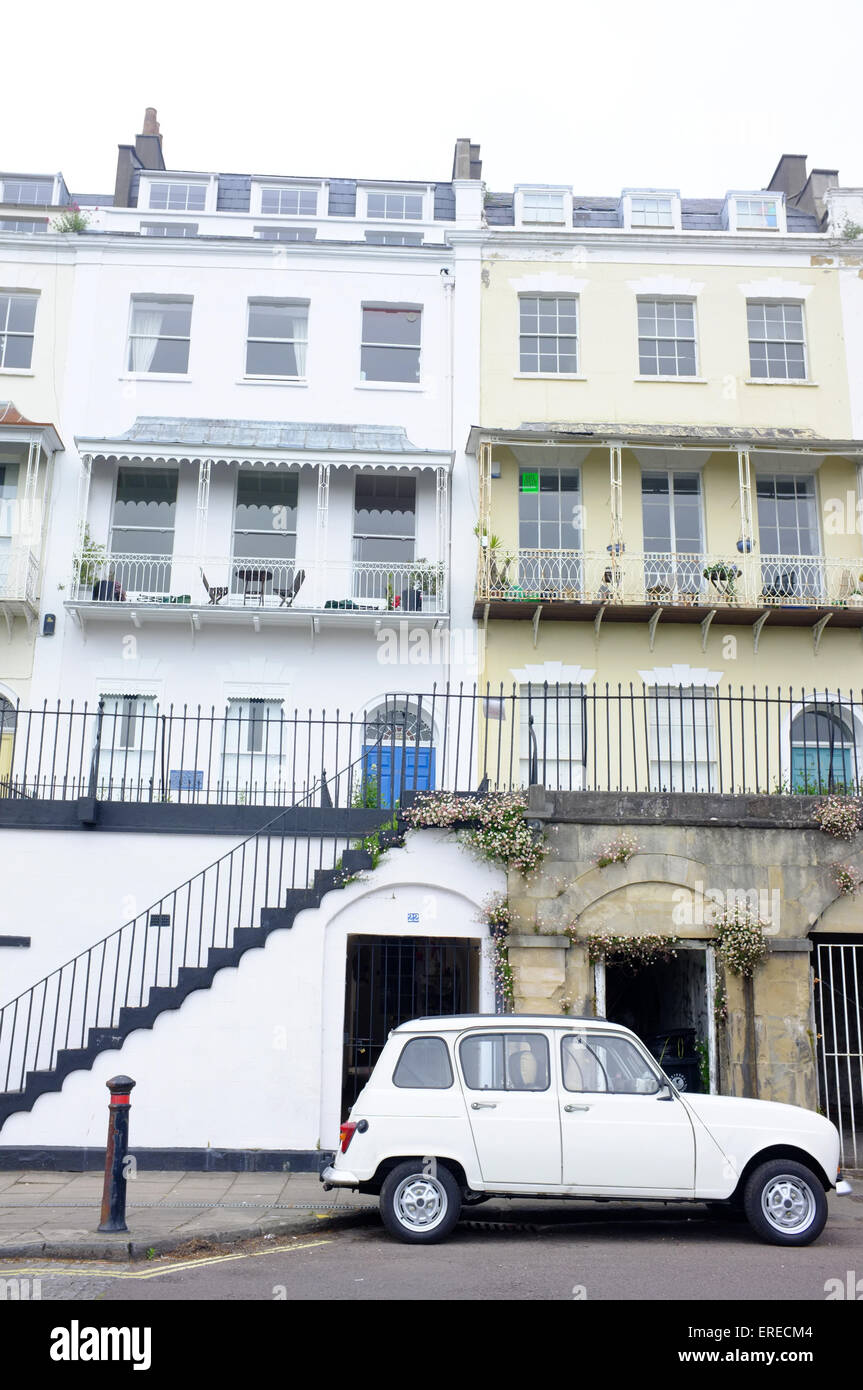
x: 569, y: 1108
x: 483, y: 1105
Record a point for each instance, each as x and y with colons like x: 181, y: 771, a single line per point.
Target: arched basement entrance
x: 667, y: 1003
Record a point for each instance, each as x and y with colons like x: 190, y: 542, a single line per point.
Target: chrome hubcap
x: 420, y: 1202
x: 788, y: 1203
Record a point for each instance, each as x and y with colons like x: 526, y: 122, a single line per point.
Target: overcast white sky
x: 662, y: 93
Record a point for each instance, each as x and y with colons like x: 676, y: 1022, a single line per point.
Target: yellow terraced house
x: 669, y: 489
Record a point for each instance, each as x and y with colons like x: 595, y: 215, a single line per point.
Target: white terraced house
x: 301, y: 461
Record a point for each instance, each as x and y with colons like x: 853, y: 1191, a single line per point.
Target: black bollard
x: 114, y: 1191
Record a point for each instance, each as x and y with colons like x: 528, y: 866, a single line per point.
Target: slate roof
x: 696, y: 214
x: 267, y: 434
x: 234, y: 194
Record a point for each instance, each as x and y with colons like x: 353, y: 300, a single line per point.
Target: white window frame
x: 30, y: 295
x: 285, y: 235
x: 280, y: 186
x: 780, y: 303
x: 158, y: 299
x: 365, y: 192
x: 731, y: 211
x: 540, y: 372
x: 151, y: 183
x: 563, y: 222
x: 630, y: 196
x: 166, y: 229
x: 24, y: 179
x: 25, y: 226
x: 403, y: 347
x: 277, y: 303
x: 668, y: 299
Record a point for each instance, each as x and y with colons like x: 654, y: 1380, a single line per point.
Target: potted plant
x: 88, y: 563
x: 424, y: 580
x: 722, y: 576
x: 499, y: 558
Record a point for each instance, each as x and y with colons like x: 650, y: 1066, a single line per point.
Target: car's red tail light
x: 346, y: 1134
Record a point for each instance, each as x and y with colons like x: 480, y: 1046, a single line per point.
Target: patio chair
x: 216, y: 591
x: 287, y: 595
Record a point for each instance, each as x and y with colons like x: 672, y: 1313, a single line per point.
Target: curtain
x: 146, y: 325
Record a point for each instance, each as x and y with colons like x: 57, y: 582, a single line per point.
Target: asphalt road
x: 543, y: 1252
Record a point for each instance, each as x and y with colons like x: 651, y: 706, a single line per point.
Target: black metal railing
x: 567, y: 737
x: 178, y: 930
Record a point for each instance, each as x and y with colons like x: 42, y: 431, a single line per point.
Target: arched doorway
x: 824, y: 753
x: 398, y: 750
x: 8, y: 721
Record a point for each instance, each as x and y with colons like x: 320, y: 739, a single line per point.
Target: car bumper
x: 843, y: 1187
x: 338, y: 1177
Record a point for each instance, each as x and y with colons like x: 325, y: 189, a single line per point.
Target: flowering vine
x: 496, y: 913
x: 741, y: 945
x: 494, y: 825
x: 847, y: 879
x: 633, y: 952
x: 839, y: 816
x: 618, y: 851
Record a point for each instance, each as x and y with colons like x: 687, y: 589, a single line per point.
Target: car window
x: 602, y: 1062
x: 424, y: 1063
x: 505, y: 1062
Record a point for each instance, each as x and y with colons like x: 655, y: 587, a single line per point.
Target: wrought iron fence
x: 567, y: 737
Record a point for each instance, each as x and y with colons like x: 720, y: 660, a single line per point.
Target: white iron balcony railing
x: 19, y: 575
x: 670, y: 578
x: 256, y: 582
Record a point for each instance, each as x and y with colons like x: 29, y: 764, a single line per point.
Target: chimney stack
x: 466, y: 161
x: 146, y: 153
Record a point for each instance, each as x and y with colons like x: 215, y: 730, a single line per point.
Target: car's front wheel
x: 420, y: 1202
x: 785, y: 1203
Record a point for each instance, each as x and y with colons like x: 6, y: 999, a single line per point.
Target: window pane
x: 277, y: 321
x: 425, y: 1063
x: 392, y: 326
x: 18, y: 352
x: 171, y: 355
x: 22, y: 313
x: 271, y: 359
x: 390, y: 364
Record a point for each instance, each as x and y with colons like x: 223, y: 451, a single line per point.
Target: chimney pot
x: 151, y: 125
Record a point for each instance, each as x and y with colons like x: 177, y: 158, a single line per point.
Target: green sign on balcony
x: 530, y: 482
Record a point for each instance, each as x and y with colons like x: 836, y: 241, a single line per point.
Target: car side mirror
x: 666, y: 1091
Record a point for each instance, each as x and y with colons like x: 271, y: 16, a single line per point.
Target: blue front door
x: 393, y: 770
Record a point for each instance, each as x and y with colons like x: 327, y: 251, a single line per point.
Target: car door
x: 622, y: 1129
x: 512, y: 1104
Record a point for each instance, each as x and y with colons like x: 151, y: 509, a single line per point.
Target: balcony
x: 19, y: 583
x: 795, y: 590
x: 255, y: 589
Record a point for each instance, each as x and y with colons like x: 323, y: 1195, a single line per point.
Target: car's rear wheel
x: 420, y: 1202
x: 785, y: 1203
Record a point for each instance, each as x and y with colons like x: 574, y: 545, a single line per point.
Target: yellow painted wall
x: 608, y: 348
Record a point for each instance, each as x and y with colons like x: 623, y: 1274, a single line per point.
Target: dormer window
x: 30, y: 192
x: 757, y: 214
x: 177, y: 197
x: 394, y: 207
x: 650, y: 208
x: 652, y: 212
x: 543, y: 207
x: 289, y: 201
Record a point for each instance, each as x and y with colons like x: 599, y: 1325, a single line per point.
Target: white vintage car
x: 459, y: 1109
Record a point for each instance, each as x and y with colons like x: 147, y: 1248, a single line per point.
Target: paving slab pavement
x: 56, y: 1215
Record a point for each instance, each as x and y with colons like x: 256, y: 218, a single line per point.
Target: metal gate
x: 839, y: 1028
x: 393, y: 978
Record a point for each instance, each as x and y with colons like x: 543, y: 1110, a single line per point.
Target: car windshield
x: 603, y: 1062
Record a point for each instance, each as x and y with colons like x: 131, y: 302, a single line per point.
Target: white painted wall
x: 255, y: 1061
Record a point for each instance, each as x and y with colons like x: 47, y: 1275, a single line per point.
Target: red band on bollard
x: 120, y: 1100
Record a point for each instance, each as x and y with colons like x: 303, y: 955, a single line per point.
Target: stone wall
x: 671, y: 886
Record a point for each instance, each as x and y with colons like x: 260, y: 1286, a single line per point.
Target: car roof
x: 456, y: 1023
